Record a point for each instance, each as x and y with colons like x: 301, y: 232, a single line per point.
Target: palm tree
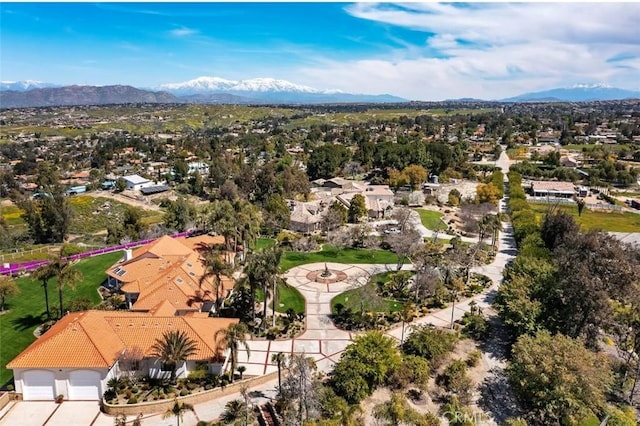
x: 173, y: 348
x: 234, y: 410
x: 66, y: 276
x: 279, y: 359
x: 270, y: 271
x: 215, y: 267
x: 248, y: 222
x: 231, y: 338
x: 44, y: 273
x: 222, y: 219
x: 178, y: 409
x: 494, y: 225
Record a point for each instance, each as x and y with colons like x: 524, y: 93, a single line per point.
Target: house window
x: 134, y: 365
x: 166, y: 366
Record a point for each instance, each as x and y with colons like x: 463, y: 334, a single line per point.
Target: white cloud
x: 183, y: 32
x: 493, y: 50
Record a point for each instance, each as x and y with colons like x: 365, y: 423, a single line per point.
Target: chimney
x: 128, y: 254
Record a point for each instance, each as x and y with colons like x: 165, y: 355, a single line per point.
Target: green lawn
x: 328, y: 253
x: 263, y: 243
x: 288, y: 297
x: 432, y: 220
x: 590, y: 219
x: 27, y: 310
x: 365, y: 297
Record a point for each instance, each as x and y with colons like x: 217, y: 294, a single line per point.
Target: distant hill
x: 82, y: 95
x: 579, y: 93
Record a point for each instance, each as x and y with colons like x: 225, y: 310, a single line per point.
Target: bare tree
x: 299, y: 390
x: 405, y: 244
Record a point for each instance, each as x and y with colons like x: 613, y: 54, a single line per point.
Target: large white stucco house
x: 84, y: 350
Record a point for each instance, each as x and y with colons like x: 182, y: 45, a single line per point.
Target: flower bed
x: 134, y: 390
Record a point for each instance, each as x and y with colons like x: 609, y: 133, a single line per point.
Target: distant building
x: 553, y: 189
x: 199, y: 168
x: 136, y: 182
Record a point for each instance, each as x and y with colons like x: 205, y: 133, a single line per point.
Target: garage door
x: 38, y: 385
x: 84, y: 385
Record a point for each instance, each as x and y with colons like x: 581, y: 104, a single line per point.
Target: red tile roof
x: 95, y: 339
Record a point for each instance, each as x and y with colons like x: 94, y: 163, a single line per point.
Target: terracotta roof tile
x: 96, y: 338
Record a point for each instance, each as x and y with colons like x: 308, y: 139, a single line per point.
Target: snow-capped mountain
x: 23, y: 86
x: 263, y: 90
x: 202, y: 85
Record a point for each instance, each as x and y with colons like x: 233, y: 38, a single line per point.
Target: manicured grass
x: 432, y: 220
x: 288, y: 297
x: 328, y: 253
x: 27, y: 309
x: 365, y: 297
x: 590, y: 219
x: 263, y: 243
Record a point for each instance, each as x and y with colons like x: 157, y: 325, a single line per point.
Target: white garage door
x: 38, y: 385
x: 84, y: 385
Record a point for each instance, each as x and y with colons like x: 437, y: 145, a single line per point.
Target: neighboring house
x: 78, y: 355
x: 136, y: 182
x: 306, y: 217
x: 552, y: 189
x: 199, y: 168
x: 378, y: 199
x: 168, y: 271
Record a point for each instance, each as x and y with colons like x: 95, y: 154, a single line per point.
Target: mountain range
x: 18, y: 94
x: 577, y: 93
x: 199, y: 90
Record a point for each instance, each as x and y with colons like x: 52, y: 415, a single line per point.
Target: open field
x: 610, y: 222
x: 89, y: 214
x: 27, y: 309
x: 328, y: 253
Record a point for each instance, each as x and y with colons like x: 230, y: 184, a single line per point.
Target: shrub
x: 454, y: 379
x: 431, y: 343
x: 133, y: 400
x: 110, y: 395
x: 184, y: 392
x: 474, y: 325
x: 474, y: 358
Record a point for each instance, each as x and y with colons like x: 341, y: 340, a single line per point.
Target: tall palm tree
x: 253, y: 273
x: 44, y: 273
x: 222, y: 220
x: 231, y: 338
x: 279, y: 359
x: 248, y: 222
x: 215, y: 267
x: 177, y: 409
x: 270, y: 274
x: 173, y: 348
x: 66, y: 276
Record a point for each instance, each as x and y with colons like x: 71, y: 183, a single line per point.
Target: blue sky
x: 425, y: 51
